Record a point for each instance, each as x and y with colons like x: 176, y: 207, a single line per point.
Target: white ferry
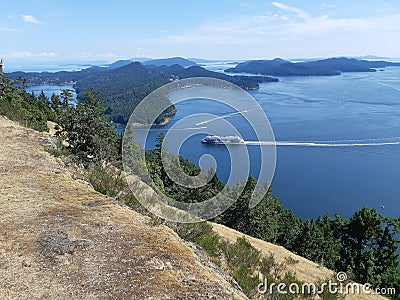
x: 224, y: 139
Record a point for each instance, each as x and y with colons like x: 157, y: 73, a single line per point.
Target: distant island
x: 170, y: 62
x: 123, y: 84
x: 153, y: 62
x: 324, y: 67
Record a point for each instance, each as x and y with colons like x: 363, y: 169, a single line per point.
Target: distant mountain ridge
x: 324, y: 67
x: 154, y: 62
x: 170, y: 62
x: 119, y: 63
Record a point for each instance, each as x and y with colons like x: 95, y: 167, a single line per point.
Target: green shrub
x: 130, y: 200
x: 210, y: 242
x: 106, y: 179
x: 156, y: 220
x: 193, y: 232
x: 246, y: 280
x: 267, y: 264
x: 242, y: 253
x: 243, y: 261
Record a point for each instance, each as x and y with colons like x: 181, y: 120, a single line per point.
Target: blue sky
x: 85, y: 30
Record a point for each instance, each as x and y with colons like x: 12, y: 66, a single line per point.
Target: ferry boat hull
x: 215, y: 139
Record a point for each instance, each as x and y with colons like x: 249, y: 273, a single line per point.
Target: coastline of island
x: 163, y: 123
x: 324, y: 67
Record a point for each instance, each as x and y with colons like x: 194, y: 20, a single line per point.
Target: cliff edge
x: 59, y: 239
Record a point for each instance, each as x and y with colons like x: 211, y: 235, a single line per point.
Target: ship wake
x: 332, y: 143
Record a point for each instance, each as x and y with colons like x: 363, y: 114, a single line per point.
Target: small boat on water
x: 224, y: 139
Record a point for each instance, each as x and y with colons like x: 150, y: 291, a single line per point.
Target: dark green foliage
x: 364, y: 245
x: 316, y: 242
x: 193, y: 232
x: 329, y: 248
x: 107, y: 180
x: 370, y: 248
x: 178, y: 164
x: 261, y: 221
x: 238, y: 215
x: 85, y: 128
x: 243, y: 260
x: 242, y: 253
x: 124, y: 87
x: 56, y: 106
x: 211, y: 244
x: 201, y: 234
x: 25, y: 108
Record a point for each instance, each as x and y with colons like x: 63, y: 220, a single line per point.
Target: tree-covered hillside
x: 20, y: 106
x: 124, y: 87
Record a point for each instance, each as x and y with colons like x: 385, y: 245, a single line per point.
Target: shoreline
x: 165, y: 122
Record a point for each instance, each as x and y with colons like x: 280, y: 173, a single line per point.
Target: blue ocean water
x: 351, y: 106
x: 353, y: 109
x: 48, y: 90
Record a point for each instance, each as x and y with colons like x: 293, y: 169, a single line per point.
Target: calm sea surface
x: 48, y: 90
x: 360, y: 110
x: 352, y: 109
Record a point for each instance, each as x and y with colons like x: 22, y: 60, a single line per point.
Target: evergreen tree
x: 369, y: 248
x: 289, y: 230
x: 20, y: 106
x: 85, y: 128
x: 264, y: 219
x: 237, y: 216
x: 328, y: 244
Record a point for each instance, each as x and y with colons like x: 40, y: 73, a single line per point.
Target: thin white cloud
x: 325, y: 25
x: 299, y: 12
x: 278, y: 33
x: 30, y: 19
x: 98, y: 55
x: 8, y: 29
x: 27, y: 54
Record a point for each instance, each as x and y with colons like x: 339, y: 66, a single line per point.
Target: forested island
x: 123, y: 85
x: 324, y: 67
